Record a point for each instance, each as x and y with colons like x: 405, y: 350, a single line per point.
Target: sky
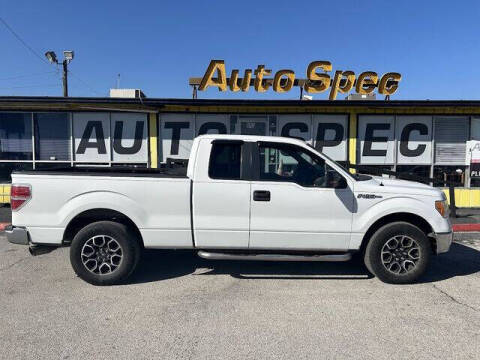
x: 157, y: 45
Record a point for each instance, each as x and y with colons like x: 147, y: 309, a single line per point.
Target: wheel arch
x: 407, y: 217
x: 87, y: 217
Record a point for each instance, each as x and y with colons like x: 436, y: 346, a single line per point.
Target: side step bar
x: 273, y: 257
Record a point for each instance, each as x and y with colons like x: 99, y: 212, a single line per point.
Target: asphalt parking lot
x: 178, y: 306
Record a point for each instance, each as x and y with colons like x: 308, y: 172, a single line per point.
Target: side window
x: 225, y: 161
x: 294, y: 164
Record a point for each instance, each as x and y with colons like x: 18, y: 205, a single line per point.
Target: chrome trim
x: 273, y: 257
x: 17, y: 235
x: 443, y: 241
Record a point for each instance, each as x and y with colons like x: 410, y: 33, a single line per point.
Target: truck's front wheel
x: 398, y: 253
x: 104, y: 253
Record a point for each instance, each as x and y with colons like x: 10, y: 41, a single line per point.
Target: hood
x: 378, y: 184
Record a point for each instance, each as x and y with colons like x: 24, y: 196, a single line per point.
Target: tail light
x: 19, y: 195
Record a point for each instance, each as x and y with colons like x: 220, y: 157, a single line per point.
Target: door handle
x: 261, y: 195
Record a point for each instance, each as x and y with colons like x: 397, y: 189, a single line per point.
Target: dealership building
x: 431, y: 139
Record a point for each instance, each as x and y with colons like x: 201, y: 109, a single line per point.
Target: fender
x: 98, y: 200
x: 363, y: 220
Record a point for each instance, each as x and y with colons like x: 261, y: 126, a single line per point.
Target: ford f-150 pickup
x: 240, y: 197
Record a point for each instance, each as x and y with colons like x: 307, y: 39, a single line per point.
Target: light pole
x: 67, y: 57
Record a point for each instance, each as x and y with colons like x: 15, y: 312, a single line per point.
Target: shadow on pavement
x: 157, y: 265
x: 461, y: 260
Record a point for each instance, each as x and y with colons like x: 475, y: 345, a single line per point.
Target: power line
x: 28, y: 75
x: 84, y: 83
x: 23, y: 42
x: 41, y: 57
x: 29, y: 86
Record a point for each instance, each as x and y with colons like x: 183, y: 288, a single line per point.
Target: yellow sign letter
x: 350, y: 75
x: 312, y: 75
x: 382, y: 87
x: 366, y: 83
x: 209, y: 80
x: 259, y: 73
x: 290, y: 78
x: 245, y: 85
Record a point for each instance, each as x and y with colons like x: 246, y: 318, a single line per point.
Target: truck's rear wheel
x: 104, y: 253
x: 398, y: 253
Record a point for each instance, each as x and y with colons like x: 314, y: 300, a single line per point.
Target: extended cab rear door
x: 298, y: 201
x: 221, y: 195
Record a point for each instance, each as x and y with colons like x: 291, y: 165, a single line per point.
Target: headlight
x: 442, y: 208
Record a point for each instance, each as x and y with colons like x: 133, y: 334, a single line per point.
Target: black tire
x: 128, y: 255
x: 404, y: 269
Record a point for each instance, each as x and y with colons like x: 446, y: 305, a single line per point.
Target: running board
x: 274, y: 257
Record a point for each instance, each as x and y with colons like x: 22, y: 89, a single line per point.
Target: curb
x: 465, y: 227
x: 466, y: 236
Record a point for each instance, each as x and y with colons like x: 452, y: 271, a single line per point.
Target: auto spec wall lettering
x: 122, y: 137
x: 288, y: 130
x: 211, y: 124
x: 414, y: 138
x: 321, y: 139
x: 137, y: 141
x: 326, y: 132
x: 91, y: 134
x: 92, y: 137
x: 129, y: 137
x: 93, y: 129
x: 378, y: 133
x: 331, y: 135
x: 376, y: 136
x: 209, y: 127
x: 176, y: 133
x: 295, y: 126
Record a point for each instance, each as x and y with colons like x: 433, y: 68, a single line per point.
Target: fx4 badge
x: 368, y: 196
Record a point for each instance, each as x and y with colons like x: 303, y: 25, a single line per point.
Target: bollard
x: 453, y: 208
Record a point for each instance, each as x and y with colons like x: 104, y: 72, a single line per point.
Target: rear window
x: 225, y: 161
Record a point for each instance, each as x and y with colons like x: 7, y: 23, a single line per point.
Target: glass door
x: 252, y: 125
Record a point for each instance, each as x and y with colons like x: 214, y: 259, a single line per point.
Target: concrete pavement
x: 179, y: 306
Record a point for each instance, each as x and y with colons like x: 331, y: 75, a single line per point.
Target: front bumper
x: 443, y: 241
x: 17, y: 235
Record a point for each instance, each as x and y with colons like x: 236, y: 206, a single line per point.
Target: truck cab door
x: 221, y: 195
x: 298, y: 201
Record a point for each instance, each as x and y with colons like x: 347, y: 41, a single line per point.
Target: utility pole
x: 65, y: 78
x: 67, y: 57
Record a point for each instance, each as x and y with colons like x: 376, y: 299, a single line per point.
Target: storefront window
x: 449, y: 173
x: 15, y: 136
x: 52, y: 136
x: 7, y: 168
x: 417, y: 170
x: 374, y: 170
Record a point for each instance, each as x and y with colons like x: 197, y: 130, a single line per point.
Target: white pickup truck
x: 240, y: 198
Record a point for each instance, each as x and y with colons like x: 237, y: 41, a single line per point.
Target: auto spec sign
x: 110, y: 137
x: 318, y: 80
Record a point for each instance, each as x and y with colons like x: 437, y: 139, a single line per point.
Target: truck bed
x: 156, y: 200
x: 162, y: 172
